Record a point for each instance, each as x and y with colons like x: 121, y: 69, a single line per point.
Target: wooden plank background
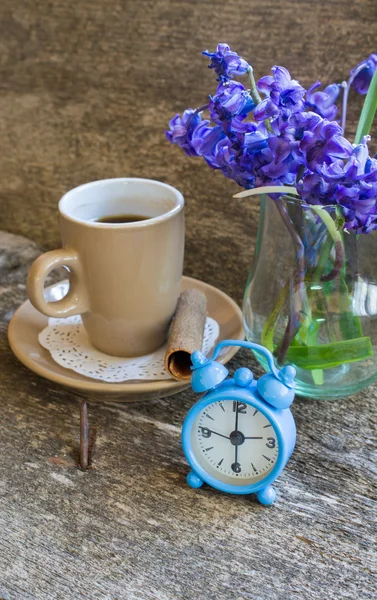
x: 87, y: 89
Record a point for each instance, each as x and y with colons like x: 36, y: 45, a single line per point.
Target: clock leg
x: 267, y: 495
x: 193, y: 480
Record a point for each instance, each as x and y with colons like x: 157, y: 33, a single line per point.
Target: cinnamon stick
x: 186, y: 333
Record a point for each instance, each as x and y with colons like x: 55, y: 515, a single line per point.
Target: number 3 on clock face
x: 234, y: 442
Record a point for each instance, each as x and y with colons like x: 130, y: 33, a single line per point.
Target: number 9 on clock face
x: 234, y: 442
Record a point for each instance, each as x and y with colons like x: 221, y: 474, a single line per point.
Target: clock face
x: 234, y: 442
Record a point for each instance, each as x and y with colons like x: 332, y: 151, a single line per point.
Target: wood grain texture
x: 86, y: 91
x: 130, y: 528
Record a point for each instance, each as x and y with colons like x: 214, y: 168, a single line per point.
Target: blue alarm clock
x: 239, y: 436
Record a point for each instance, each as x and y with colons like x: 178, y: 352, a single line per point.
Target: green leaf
x: 327, y: 356
x: 317, y: 375
x: 368, y: 112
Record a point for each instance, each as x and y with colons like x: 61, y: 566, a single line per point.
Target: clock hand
x: 220, y: 434
x: 236, y: 430
x: 252, y: 438
x: 227, y: 437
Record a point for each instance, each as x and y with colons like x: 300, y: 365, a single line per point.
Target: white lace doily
x: 69, y: 346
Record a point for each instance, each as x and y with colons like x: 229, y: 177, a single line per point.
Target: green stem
x: 368, y: 111
x: 338, y: 242
x: 329, y: 222
x: 255, y: 95
x: 317, y: 294
x: 291, y: 330
x: 293, y: 324
x: 322, y: 261
x: 269, y: 326
x: 253, y: 86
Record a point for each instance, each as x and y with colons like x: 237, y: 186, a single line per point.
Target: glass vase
x: 311, y: 297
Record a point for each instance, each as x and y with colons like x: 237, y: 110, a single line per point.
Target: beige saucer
x: 27, y: 323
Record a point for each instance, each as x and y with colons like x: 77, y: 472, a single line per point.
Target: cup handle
x: 75, y: 302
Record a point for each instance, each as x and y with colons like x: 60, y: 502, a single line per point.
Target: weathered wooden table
x: 130, y: 527
x: 86, y: 90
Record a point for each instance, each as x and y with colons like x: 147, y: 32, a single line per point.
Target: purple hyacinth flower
x: 370, y: 175
x: 181, y: 130
x: 226, y: 63
x: 353, y: 169
x: 294, y: 128
x: 324, y: 144
x: 266, y: 109
x: 205, y: 138
x: 279, y: 80
x: 322, y: 103
x: 225, y: 157
x: 255, y: 141
x: 231, y: 100
x: 221, y: 155
x: 280, y: 163
x: 313, y: 189
x: 361, y: 167
x: 359, y: 206
x: 363, y: 73
x: 303, y: 121
x: 237, y: 128
x: 284, y: 95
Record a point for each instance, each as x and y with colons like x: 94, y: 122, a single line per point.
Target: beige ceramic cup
x: 124, y: 277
